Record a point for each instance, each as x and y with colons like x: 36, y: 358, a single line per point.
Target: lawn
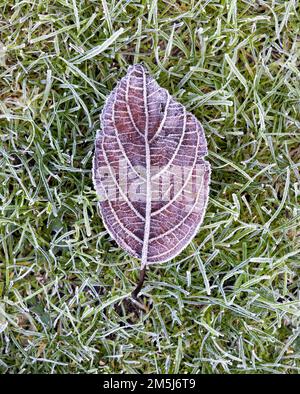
x: 229, y: 303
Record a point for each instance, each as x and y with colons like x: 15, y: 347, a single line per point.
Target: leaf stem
x: 136, y: 291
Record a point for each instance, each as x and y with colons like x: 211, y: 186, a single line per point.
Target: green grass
x: 230, y: 302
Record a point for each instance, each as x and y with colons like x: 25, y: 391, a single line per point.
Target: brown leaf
x: 149, y: 169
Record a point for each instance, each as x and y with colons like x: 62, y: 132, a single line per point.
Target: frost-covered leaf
x: 149, y: 169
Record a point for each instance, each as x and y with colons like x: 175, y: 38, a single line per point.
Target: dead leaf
x: 149, y: 169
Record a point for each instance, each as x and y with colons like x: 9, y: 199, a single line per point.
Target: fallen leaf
x: 149, y: 169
